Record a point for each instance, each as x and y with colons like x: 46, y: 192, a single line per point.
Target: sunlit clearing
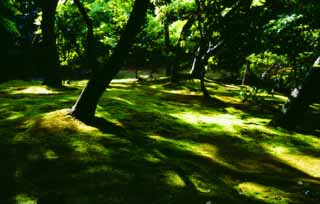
x: 173, y: 179
x: 25, y: 199
x: 305, y: 163
x: 35, y: 90
x: 268, y: 194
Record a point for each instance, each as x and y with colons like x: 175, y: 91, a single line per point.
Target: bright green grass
x: 157, y: 143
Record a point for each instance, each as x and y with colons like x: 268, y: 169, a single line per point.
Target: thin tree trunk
x: 196, y: 69
x: 85, y: 107
x: 202, y: 84
x: 51, y: 57
x: 92, y: 61
x: 167, y: 45
x: 300, y: 99
x: 245, y: 73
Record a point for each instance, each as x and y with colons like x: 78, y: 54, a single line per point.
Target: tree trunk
x: 167, y: 46
x: 203, y: 86
x: 300, y: 99
x: 50, y: 52
x: 85, y: 107
x: 92, y: 61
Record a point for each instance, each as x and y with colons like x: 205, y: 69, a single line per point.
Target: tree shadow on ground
x: 264, y: 168
x: 146, y: 156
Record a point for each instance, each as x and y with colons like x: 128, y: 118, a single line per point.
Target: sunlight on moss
x: 50, y: 154
x: 35, y: 90
x: 15, y: 115
x: 120, y: 85
x: 60, y: 120
x: 227, y: 122
x: 305, y: 163
x: 123, y: 100
x: 268, y: 194
x: 183, y: 92
x: 229, y: 99
x: 85, y: 147
x: 57, y: 125
x: 258, y: 3
x: 280, y: 97
x: 201, y: 186
x: 151, y: 158
x: 205, y: 150
x: 80, y: 146
x: 125, y: 80
x: 173, y: 179
x: 25, y: 199
x: 178, y: 143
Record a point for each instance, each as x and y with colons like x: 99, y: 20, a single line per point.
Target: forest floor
x: 153, y: 143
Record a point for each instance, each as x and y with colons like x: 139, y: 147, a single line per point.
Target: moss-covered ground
x: 153, y: 143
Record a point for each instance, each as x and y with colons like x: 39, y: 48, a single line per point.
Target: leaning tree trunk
x: 92, y: 60
x: 50, y: 52
x: 300, y: 99
x: 85, y: 107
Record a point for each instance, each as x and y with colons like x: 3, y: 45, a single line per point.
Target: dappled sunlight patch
x: 280, y: 97
x: 122, y: 100
x: 228, y: 99
x: 124, y: 81
x: 79, y: 83
x: 86, y: 147
x: 173, y: 179
x: 50, y: 154
x: 315, y: 106
x: 308, y: 164
x: 25, y: 199
x: 180, y: 144
x: 117, y: 85
x: 211, y: 152
x: 221, y: 122
x: 182, y: 92
x: 201, y: 186
x: 15, y: 115
x: 151, y: 158
x: 201, y: 149
x: 268, y: 194
x: 60, y: 120
x: 35, y: 90
x: 58, y: 124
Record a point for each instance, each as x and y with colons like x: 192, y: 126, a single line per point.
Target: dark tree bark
x: 92, y: 61
x: 300, y: 99
x: 85, y: 107
x: 50, y: 52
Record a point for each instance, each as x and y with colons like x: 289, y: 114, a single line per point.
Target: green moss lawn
x: 153, y: 143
